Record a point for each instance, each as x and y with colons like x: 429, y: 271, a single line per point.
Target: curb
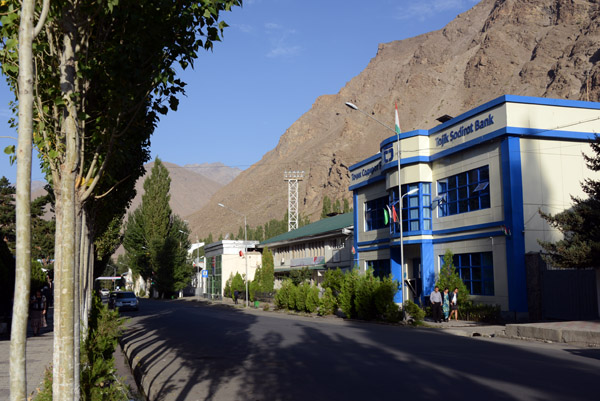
x: 576, y: 337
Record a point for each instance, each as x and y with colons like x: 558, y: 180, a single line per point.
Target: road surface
x: 193, y: 351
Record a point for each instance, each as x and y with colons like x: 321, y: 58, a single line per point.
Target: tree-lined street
x: 197, y: 351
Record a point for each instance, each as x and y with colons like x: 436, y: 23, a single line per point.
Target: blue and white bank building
x: 482, y: 178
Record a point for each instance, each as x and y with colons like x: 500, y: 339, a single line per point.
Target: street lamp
x: 411, y: 192
x: 397, y: 131
x: 245, y: 245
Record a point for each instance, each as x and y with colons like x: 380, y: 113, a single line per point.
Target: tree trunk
x: 18, y: 382
x: 64, y: 379
x: 77, y: 310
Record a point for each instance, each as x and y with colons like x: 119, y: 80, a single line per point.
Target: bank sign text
x: 464, y: 130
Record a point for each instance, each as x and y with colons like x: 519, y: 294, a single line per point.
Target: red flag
x: 394, y: 214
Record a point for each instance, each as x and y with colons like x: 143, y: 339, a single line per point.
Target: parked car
x: 104, y: 292
x: 123, y: 300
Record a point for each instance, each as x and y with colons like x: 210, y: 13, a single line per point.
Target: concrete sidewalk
x: 579, y: 333
x: 38, y: 354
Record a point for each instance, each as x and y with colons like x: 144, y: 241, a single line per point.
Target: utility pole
x: 292, y: 177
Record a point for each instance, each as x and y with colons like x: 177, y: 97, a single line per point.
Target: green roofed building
x: 325, y: 244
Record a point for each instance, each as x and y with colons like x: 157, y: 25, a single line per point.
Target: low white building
x: 227, y: 258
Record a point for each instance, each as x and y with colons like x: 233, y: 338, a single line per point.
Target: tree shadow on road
x: 232, y: 355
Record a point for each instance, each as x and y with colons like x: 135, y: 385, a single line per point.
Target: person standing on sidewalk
x: 446, y: 304
x: 38, y: 311
x: 454, y: 304
x: 436, y: 304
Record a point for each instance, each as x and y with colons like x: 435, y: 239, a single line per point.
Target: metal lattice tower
x: 292, y: 177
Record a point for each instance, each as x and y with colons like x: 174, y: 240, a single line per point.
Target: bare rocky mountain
x: 189, y: 191
x: 217, y: 172
x: 546, y: 48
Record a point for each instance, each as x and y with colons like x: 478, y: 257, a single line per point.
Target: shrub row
x: 301, y: 298
x: 361, y: 296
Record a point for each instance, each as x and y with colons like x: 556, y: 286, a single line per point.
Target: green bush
x: 142, y: 293
x: 312, y: 299
x: 480, y: 312
x: 327, y: 303
x: 300, y: 276
x: 45, y: 393
x: 413, y: 311
x: 293, y: 297
x: 253, y: 289
x: 348, y: 294
x: 227, y: 289
x: 98, y: 374
x: 384, y: 300
x: 449, y: 278
x: 334, y: 279
x: 238, y: 284
x: 365, y: 300
x: 283, y: 294
x: 301, y: 295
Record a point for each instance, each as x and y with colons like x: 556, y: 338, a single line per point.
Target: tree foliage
x: 580, y: 225
x: 449, y: 278
x: 155, y: 239
x: 7, y: 213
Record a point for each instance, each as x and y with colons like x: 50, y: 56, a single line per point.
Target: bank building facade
x: 473, y: 185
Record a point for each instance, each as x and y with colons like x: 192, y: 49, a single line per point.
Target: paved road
x: 190, y: 351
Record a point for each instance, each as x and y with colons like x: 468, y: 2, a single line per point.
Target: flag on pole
x: 386, y: 215
x: 394, y: 214
x: 397, y: 127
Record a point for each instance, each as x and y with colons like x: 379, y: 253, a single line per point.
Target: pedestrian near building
x: 436, y: 304
x: 454, y: 304
x: 446, y: 304
x: 37, y: 312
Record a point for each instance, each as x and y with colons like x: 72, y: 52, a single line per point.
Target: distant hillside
x: 189, y: 191
x: 544, y: 48
x: 217, y: 172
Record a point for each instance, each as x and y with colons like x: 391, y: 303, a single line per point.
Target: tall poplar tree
x: 105, y: 71
x: 156, y: 240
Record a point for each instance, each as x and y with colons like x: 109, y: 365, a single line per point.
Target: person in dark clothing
x: 436, y: 304
x: 236, y: 294
x: 37, y: 312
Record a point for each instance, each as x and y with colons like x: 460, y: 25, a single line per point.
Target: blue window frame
x: 465, y: 192
x: 381, y: 268
x: 374, y: 219
x: 476, y: 270
x: 416, y: 208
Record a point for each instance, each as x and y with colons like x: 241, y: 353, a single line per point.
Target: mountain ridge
x: 544, y: 48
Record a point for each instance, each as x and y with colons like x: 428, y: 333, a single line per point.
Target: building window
x: 476, y: 270
x: 374, y: 219
x: 464, y: 192
x: 381, y: 268
x: 416, y: 208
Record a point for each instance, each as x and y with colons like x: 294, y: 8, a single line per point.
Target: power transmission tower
x: 292, y: 177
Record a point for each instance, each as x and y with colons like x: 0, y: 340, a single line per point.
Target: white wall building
x: 226, y: 258
x: 481, y: 179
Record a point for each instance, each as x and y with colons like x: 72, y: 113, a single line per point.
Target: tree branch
x: 43, y: 15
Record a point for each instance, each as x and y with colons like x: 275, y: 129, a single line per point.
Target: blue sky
x: 276, y: 58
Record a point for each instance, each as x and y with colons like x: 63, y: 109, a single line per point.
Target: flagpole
x: 400, y: 207
x: 397, y: 130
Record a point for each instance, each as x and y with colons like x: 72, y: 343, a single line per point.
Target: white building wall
x: 231, y: 264
x: 552, y: 172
